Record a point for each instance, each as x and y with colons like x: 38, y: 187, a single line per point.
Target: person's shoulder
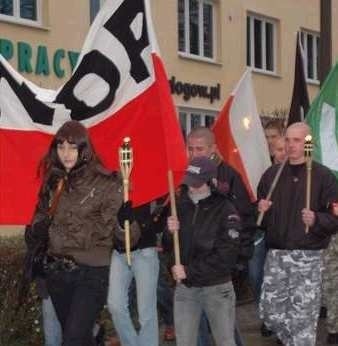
x: 320, y: 167
x: 272, y: 170
x: 222, y: 199
x: 323, y: 171
x: 228, y: 208
x: 106, y: 178
x: 227, y: 173
x: 226, y: 167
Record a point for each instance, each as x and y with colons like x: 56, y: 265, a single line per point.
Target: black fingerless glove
x: 40, y: 229
x: 125, y: 213
x: 37, y: 232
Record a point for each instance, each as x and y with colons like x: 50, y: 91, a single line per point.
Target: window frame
x: 264, y: 20
x: 15, y: 18
x: 203, y: 113
x: 304, y: 33
x: 92, y: 4
x: 186, y: 51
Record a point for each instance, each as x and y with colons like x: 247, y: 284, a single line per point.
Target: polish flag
x: 240, y: 137
x: 119, y: 88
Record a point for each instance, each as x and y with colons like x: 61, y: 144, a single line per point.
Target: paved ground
x: 250, y: 325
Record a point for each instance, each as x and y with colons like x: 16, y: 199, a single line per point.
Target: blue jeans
x: 204, y: 338
x: 238, y: 338
x: 144, y: 268
x: 217, y: 301
x: 256, y: 268
x: 51, y: 325
x: 165, y: 293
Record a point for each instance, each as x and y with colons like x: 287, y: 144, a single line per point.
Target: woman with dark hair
x: 79, y: 209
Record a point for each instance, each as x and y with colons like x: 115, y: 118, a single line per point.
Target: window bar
x: 274, y: 47
x: 186, y: 26
x: 263, y: 44
x: 314, y: 50
x: 252, y: 42
x: 306, y: 56
x: 16, y: 8
x: 200, y: 28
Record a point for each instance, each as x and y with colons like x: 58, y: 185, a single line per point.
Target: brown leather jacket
x: 85, y: 217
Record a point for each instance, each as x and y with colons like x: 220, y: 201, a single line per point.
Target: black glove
x: 40, y: 229
x: 125, y: 213
x: 241, y: 264
x: 37, y: 232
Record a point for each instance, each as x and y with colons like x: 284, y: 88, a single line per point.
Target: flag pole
x: 271, y: 190
x: 308, y: 159
x: 174, y: 213
x: 126, y: 165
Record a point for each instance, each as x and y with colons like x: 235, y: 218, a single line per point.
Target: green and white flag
x: 323, y: 119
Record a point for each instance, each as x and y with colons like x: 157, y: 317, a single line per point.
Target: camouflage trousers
x: 291, y: 292
x: 330, y: 284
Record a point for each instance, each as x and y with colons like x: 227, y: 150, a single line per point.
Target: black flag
x: 300, y: 99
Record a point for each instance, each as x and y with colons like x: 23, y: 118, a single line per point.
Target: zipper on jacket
x: 193, y: 221
x: 195, y: 214
x: 90, y: 195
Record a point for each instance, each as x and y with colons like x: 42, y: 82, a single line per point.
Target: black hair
x: 74, y: 133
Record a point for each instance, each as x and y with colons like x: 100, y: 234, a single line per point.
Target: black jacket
x: 231, y: 183
x: 209, y: 239
x: 151, y: 218
x: 283, y: 221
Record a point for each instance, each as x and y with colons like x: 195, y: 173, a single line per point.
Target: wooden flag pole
x: 174, y: 213
x: 126, y: 165
x: 271, y: 190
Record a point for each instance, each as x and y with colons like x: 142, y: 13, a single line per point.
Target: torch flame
x: 246, y: 123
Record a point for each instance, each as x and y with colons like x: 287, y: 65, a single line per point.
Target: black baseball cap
x: 200, y: 171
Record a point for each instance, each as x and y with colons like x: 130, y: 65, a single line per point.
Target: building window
x: 261, y: 43
x: 191, y: 118
x: 310, y: 43
x: 196, y: 28
x: 26, y: 11
x: 95, y: 6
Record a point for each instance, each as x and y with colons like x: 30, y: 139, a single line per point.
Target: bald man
x: 290, y: 299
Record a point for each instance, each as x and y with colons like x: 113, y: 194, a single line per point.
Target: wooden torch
x: 126, y: 165
x: 308, y: 148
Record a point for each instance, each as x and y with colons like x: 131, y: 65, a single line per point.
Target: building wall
x: 65, y: 24
x: 272, y: 91
x: 291, y: 16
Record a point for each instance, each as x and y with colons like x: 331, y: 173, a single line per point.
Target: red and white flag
x: 119, y: 88
x: 240, y: 136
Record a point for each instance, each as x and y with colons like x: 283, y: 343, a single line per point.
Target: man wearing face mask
x: 201, y: 143
x: 209, y: 229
